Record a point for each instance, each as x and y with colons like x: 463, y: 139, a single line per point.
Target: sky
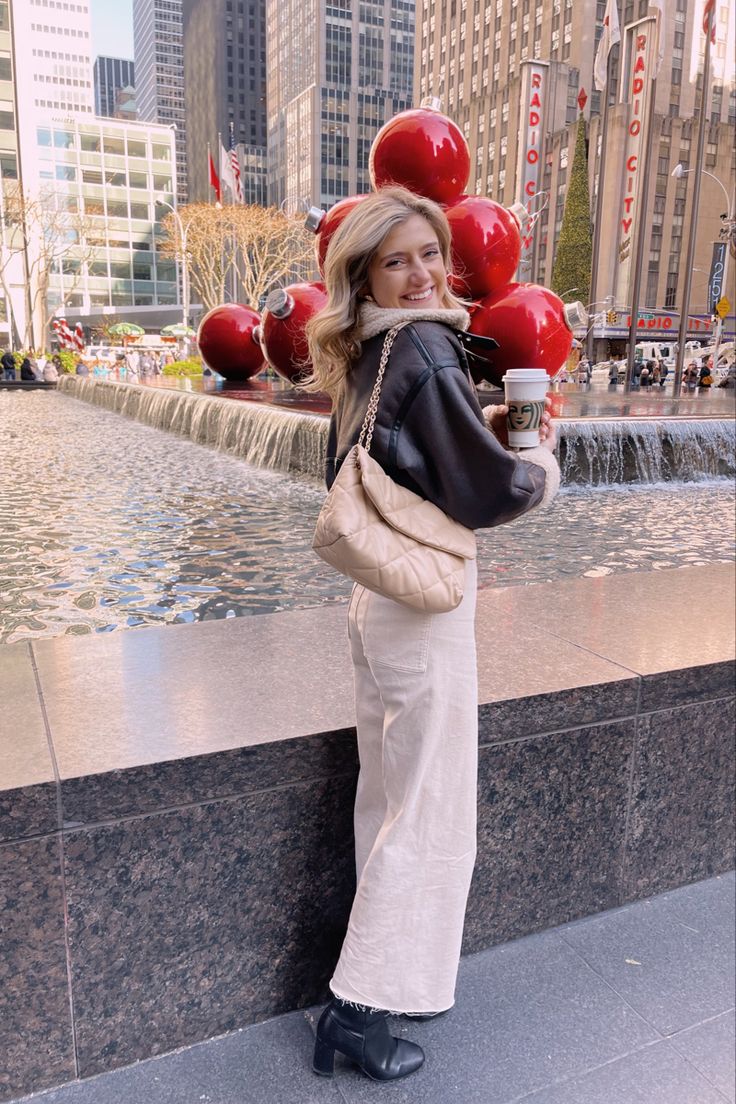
x: 112, y: 28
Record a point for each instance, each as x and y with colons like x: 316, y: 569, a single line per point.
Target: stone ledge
x: 201, y: 875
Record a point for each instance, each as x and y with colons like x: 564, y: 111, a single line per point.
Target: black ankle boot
x: 362, y: 1035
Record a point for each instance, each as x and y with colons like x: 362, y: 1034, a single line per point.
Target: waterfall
x: 595, y: 452
x: 646, y: 451
x: 265, y: 436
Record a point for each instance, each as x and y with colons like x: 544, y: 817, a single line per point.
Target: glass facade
x: 337, y: 71
x: 113, y: 178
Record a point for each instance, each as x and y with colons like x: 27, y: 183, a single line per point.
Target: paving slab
x: 711, y: 1048
x: 654, y: 1075
x: 670, y: 957
x: 264, y: 1064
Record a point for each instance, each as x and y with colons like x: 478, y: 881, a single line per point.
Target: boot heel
x: 324, y: 1059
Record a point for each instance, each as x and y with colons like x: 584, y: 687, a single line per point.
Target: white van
x: 654, y: 350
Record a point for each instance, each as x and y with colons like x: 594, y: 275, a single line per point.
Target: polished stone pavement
x: 633, y: 1006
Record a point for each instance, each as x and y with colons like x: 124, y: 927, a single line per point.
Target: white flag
x: 659, y: 5
x: 611, y: 35
x: 226, y: 170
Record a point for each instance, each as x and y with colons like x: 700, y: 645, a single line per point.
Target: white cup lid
x: 526, y: 375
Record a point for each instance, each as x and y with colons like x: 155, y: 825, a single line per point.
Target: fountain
x: 596, y: 452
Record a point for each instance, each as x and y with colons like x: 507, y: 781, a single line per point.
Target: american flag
x: 235, y: 166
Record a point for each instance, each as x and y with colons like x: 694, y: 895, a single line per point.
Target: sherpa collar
x: 373, y: 319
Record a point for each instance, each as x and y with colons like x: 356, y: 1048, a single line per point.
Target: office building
x: 91, y: 188
x: 336, y: 72
x: 481, y: 57
x: 224, y: 83
x: 159, y: 72
x: 111, y: 76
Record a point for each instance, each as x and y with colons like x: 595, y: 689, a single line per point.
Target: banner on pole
x: 640, y: 67
x: 716, y: 288
x: 532, y: 126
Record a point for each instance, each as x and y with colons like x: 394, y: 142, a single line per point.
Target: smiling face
x: 408, y: 270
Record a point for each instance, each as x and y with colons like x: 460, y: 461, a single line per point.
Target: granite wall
x: 145, y: 909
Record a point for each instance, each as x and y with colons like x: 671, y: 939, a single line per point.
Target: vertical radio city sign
x: 641, y: 40
x: 532, y: 108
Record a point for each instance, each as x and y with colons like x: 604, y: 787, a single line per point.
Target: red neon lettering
x: 532, y: 157
x: 634, y: 128
x: 628, y: 203
x: 530, y: 188
x: 631, y: 163
x: 535, y: 101
x: 667, y: 324
x: 641, y: 42
x: 626, y: 224
x: 533, y: 118
x: 637, y: 86
x: 639, y: 65
x: 536, y: 80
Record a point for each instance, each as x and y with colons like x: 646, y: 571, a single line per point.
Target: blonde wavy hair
x: 331, y: 334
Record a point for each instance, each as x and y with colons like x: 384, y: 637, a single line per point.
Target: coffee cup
x: 525, y: 390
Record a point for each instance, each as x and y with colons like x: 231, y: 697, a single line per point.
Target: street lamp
x: 727, y: 231
x: 182, y: 231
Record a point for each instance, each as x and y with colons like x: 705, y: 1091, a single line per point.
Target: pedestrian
x: 26, y: 370
x: 51, y: 370
x: 8, y: 364
x: 692, y: 373
x: 644, y: 375
x: 415, y: 673
x: 656, y: 374
x: 613, y: 374
x: 705, y: 379
x: 663, y: 373
x: 81, y: 368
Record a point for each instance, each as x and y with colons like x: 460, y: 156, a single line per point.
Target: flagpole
x: 599, y: 209
x: 640, y: 239
x: 685, y: 308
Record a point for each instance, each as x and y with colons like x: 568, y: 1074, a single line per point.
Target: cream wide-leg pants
x: 416, y: 697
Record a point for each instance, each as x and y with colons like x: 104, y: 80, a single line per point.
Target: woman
x: 415, y: 674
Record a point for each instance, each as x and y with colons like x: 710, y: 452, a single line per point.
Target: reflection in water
x: 107, y: 524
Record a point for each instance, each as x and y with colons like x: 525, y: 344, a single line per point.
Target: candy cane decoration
x: 79, y: 337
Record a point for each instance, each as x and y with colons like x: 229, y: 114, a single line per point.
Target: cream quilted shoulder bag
x: 384, y: 536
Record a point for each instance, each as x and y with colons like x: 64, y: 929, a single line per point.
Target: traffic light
x: 611, y: 317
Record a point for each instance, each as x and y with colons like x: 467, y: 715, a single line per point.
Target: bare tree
x: 48, y: 233
x: 251, y: 247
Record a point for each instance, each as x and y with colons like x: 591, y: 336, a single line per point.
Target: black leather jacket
x: 430, y: 435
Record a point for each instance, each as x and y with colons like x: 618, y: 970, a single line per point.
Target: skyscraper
x: 481, y: 56
x: 111, y: 75
x: 56, y: 44
x: 159, y: 70
x: 225, y: 82
x: 336, y: 72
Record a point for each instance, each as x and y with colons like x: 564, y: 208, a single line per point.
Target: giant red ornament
x: 486, y: 245
x: 282, y: 337
x: 325, y: 223
x: 531, y: 325
x: 226, y: 342
x: 424, y: 151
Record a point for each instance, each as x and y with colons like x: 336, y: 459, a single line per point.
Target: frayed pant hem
x: 362, y: 1007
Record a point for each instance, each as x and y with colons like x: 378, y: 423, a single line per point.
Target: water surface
x: 107, y: 524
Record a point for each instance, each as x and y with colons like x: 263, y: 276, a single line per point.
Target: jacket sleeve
x: 445, y: 448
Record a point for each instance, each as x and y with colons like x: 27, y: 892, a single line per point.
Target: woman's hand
x: 495, y: 417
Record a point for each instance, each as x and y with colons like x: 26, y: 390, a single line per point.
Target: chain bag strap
x: 366, y: 431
